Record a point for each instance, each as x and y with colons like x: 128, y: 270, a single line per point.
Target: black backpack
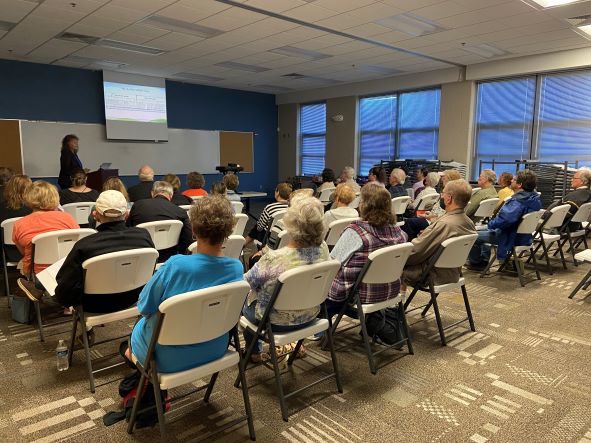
x: 387, y: 325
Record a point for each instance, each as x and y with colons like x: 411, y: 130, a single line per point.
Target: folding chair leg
x: 490, y: 263
x: 73, y: 336
x: 582, y: 283
x: 6, y: 285
x: 519, y: 273
x: 438, y: 318
x: 138, y: 398
x: 87, y: 354
x: 468, y: 310
x: 547, y: 256
x: 212, y: 381
x: 333, y: 357
x: 245, y: 396
x: 39, y: 320
x: 572, y: 250
x: 406, y: 330
x: 367, y: 345
x: 562, y: 259
x: 280, y: 394
x: 159, y: 408
x: 294, y: 353
x: 535, y: 261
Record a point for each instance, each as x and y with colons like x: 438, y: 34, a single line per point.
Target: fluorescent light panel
x: 171, y: 24
x: 115, y: 44
x: 379, y: 69
x: 485, y: 50
x: 292, y: 51
x: 242, y: 67
x: 554, y: 3
x: 109, y: 64
x: 273, y: 88
x: 585, y: 28
x: 197, y: 77
x: 410, y: 24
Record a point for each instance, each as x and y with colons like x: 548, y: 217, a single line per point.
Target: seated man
x: 144, y: 187
x: 282, y: 193
x: 231, y: 181
x: 578, y: 196
x: 110, y: 211
x: 453, y: 223
x: 502, y: 229
x: 486, y: 181
x: 397, y: 179
x: 160, y: 207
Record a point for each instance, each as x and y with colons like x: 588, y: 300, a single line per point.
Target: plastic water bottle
x: 61, y: 353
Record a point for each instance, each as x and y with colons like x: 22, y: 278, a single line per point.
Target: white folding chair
x: 336, y: 228
x: 80, y: 211
x: 8, y: 247
x: 274, y: 223
x: 237, y: 207
x: 486, y: 208
x: 284, y: 239
x: 427, y: 201
x: 582, y: 215
x: 196, y: 197
x: 232, y: 246
x: 585, y: 257
x: 355, y: 203
x: 192, y: 318
x: 452, y: 253
x: 399, y: 205
x: 300, y: 288
x: 383, y: 267
x: 108, y: 274
x: 240, y: 226
x: 544, y: 237
x: 324, y: 196
x: 164, y: 233
x: 186, y: 208
x: 49, y: 248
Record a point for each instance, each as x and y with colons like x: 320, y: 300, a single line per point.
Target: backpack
x: 387, y: 325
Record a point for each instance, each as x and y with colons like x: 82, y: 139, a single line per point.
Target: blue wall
x: 31, y: 91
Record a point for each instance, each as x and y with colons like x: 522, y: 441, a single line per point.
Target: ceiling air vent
x: 81, y: 38
x: 580, y: 20
x: 294, y: 76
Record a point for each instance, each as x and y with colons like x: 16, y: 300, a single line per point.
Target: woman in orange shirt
x: 195, y: 182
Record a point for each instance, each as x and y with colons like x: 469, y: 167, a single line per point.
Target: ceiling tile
x: 14, y: 11
x: 173, y: 41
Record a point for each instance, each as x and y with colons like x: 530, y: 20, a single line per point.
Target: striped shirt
x: 268, y: 213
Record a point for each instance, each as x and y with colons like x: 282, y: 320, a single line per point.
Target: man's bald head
x: 146, y: 174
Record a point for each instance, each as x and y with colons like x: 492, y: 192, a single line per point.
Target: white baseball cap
x: 111, y: 204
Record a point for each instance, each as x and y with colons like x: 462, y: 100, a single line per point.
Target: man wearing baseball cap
x: 113, y: 235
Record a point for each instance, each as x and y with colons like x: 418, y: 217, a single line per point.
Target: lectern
x: 95, y: 179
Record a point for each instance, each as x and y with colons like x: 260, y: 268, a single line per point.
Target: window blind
x: 377, y: 130
x: 419, y: 124
x: 312, y: 138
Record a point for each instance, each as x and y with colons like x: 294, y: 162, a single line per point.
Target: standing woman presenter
x: 69, y: 160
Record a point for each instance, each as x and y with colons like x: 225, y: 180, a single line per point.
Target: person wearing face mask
x: 69, y: 160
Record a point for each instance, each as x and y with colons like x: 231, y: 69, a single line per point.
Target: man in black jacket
x: 579, y: 195
x: 160, y: 207
x: 113, y: 235
x: 144, y: 188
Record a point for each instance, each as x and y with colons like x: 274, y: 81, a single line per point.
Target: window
x: 312, y: 138
x: 564, y: 121
x: 504, y: 117
x: 404, y: 125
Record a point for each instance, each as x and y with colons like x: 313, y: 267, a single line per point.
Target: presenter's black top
x: 68, y: 162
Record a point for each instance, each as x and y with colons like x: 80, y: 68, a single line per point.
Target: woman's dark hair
x: 66, y: 140
x: 328, y: 175
x: 375, y: 206
x: 212, y: 218
x: 78, y: 177
x: 423, y: 171
x: 195, y: 180
x: 380, y: 174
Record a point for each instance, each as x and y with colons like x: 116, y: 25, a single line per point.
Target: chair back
x: 399, y: 205
x: 284, y: 239
x: 50, y: 247
x: 557, y: 216
x: 386, y: 264
x: 165, y: 233
x: 324, y: 196
x: 583, y: 213
x: 196, y: 197
x: 455, y: 251
x: 486, y: 208
x: 355, y: 203
x: 7, y: 228
x: 80, y: 211
x: 529, y: 222
x: 336, y: 228
x: 233, y: 245
x: 237, y: 207
x: 186, y: 207
x: 202, y: 315
x: 119, y: 271
x: 427, y: 201
x: 306, y: 286
x: 240, y: 226
x: 474, y: 190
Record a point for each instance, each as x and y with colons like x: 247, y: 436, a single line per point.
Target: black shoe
x: 475, y: 268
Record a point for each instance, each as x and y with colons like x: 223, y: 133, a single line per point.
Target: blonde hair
x: 300, y: 193
x: 15, y: 190
x: 304, y: 221
x: 173, y: 180
x: 212, y: 218
x: 42, y: 196
x: 344, y: 194
x: 115, y: 184
x: 432, y: 179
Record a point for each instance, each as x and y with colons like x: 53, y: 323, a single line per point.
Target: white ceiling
x: 357, y: 48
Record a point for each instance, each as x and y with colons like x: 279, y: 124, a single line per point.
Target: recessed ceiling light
x: 172, y: 24
x: 115, y: 44
x: 585, y: 28
x: 379, y: 69
x: 410, y: 24
x: 553, y: 3
x: 242, y: 67
x: 484, y: 50
x: 273, y: 88
x: 197, y: 77
x: 292, y: 51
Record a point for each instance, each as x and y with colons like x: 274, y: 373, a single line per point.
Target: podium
x: 95, y: 179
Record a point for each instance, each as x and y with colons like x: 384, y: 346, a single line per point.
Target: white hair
x: 432, y: 179
x: 304, y: 221
x: 399, y: 175
x: 490, y: 175
x: 585, y: 175
x: 349, y: 172
x: 162, y: 187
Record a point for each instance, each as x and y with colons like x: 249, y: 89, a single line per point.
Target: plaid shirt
x: 373, y: 238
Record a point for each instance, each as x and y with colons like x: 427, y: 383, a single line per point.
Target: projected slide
x: 135, y: 103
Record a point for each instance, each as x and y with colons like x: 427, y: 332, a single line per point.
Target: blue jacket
x: 509, y: 217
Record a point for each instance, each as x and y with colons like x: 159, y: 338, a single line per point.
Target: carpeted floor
x: 522, y: 377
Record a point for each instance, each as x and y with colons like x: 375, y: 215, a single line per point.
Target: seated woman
x: 375, y: 230
x: 397, y: 179
x: 377, y: 176
x: 13, y: 197
x: 344, y: 195
x: 43, y: 199
x: 282, y: 194
x: 212, y: 221
x: 231, y: 181
x: 177, y: 198
x: 195, y: 182
x: 305, y: 224
x: 431, y: 181
x: 78, y: 192
x: 419, y: 185
x: 328, y: 178
x: 505, y: 191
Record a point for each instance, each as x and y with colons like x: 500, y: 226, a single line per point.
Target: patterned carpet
x: 523, y: 376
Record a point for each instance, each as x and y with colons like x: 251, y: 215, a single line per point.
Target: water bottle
x: 61, y: 353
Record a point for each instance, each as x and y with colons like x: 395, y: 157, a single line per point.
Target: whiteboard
x: 186, y: 150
